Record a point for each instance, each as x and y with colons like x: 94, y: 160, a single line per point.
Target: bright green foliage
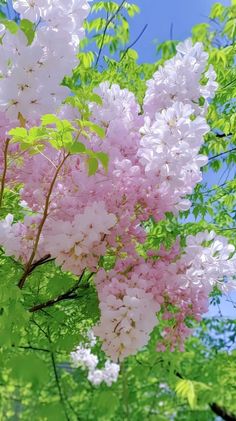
x: 62, y: 136
x: 43, y: 323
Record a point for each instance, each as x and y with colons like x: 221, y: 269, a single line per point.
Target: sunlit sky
x: 182, y: 15
x: 160, y: 15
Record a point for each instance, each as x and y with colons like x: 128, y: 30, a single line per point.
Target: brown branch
x: 40, y: 262
x: 32, y: 348
x: 221, y: 412
x: 68, y: 295
x: 4, y: 172
x: 41, y: 225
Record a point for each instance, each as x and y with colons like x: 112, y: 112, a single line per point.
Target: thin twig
x: 134, y: 42
x: 32, y: 348
x: 58, y: 385
x: 222, y: 153
x: 68, y: 295
x: 40, y: 262
x: 4, y: 171
x: 171, y: 31
x: 105, y: 30
x: 41, y: 225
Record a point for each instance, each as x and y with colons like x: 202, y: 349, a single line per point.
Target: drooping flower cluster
x: 133, y: 292
x: 154, y: 162
x: 31, y: 74
x: 83, y: 357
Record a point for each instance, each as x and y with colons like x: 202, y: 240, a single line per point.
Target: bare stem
x: 28, y: 266
x: 109, y: 20
x: 68, y: 295
x: 3, y: 180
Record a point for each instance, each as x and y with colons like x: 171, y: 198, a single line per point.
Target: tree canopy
x: 48, y: 308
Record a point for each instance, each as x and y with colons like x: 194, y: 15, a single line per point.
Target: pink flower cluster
x: 134, y: 291
x: 154, y: 162
x: 77, y: 245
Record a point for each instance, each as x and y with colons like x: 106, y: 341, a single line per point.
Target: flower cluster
x: 169, y: 152
x: 79, y: 244
x: 31, y: 74
x: 179, y: 80
x: 154, y: 162
x: 134, y: 291
x: 83, y: 357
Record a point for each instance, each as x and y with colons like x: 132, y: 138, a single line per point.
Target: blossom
x: 33, y: 73
x: 30, y: 9
x: 154, y: 162
x: 79, y: 244
x: 179, y: 80
x: 83, y: 357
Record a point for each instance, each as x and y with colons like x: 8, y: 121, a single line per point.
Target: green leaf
x: 107, y: 402
x: 77, y: 147
x: 29, y: 368
x: 92, y: 165
x: 50, y: 119
x: 86, y: 59
x: 185, y: 389
x: 28, y: 28
x: 94, y: 128
x: 18, y: 133
x: 10, y: 25
x: 132, y: 54
x: 131, y: 8
x: 217, y: 11
x: 104, y: 159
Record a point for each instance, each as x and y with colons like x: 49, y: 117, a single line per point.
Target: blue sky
x: 159, y: 15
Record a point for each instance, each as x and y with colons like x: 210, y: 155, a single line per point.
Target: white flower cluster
x: 173, y: 130
x: 31, y: 74
x: 83, y: 356
x: 179, y: 80
x: 169, y: 151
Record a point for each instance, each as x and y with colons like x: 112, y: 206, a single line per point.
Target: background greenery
x: 37, y: 380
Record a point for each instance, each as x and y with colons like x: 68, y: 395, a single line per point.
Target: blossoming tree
x: 92, y: 166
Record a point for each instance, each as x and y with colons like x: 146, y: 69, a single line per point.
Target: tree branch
x: 221, y: 412
x: 68, y: 295
x: 32, y: 348
x: 220, y: 154
x: 41, y: 225
x: 59, y: 386
x: 4, y: 171
x: 133, y: 43
x: 40, y: 262
x: 105, y: 30
x: 222, y: 134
